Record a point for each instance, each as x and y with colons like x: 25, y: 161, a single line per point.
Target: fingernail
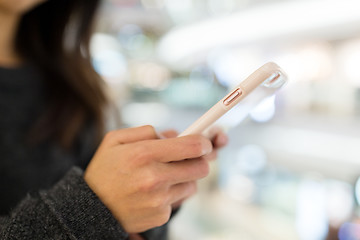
x: 207, y: 148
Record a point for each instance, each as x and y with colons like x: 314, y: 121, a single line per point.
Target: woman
x: 53, y: 186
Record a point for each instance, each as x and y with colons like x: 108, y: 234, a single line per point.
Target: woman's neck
x: 8, y: 25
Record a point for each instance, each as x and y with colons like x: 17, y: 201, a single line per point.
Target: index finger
x: 176, y: 149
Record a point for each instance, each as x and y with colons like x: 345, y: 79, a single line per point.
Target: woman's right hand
x: 139, y: 176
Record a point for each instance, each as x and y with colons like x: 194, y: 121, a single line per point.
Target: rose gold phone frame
x: 269, y: 76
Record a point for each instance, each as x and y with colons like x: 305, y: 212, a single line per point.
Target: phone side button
x: 232, y: 97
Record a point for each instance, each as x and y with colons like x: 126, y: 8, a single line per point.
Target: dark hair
x: 55, y: 37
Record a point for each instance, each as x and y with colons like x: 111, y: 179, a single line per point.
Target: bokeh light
x: 137, y: 114
x: 240, y: 187
x: 349, y: 231
x: 349, y: 58
x: 216, y: 7
x: 157, y: 4
x: 135, y: 41
x: 180, y: 11
x: 357, y: 191
x: 108, y: 59
x: 311, y: 219
x: 265, y: 111
x: 251, y: 159
x: 340, y: 202
x: 289, y: 169
x: 149, y: 75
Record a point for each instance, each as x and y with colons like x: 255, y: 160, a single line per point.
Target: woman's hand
x: 216, y: 135
x: 139, y: 177
x: 218, y: 139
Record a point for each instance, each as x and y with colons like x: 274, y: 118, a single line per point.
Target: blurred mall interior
x: 292, y: 166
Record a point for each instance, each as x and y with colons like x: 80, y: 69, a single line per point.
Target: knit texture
x: 70, y: 210
x: 42, y: 191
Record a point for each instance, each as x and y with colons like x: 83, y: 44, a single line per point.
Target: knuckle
x: 149, y: 185
x: 150, y: 130
x: 164, y: 216
x: 199, y: 145
x: 142, y: 152
x: 159, y: 202
x: 151, y: 182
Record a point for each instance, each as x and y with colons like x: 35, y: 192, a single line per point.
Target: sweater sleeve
x: 69, y: 210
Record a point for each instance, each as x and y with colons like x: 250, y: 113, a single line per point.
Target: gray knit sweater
x: 42, y: 191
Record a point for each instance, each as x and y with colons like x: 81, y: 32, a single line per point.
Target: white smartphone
x: 262, y: 83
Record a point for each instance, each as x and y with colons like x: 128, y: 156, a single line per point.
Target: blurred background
x: 292, y: 167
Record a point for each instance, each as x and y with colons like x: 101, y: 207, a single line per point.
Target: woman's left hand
x: 218, y: 138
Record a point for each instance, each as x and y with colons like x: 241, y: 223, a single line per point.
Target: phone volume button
x: 232, y: 97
